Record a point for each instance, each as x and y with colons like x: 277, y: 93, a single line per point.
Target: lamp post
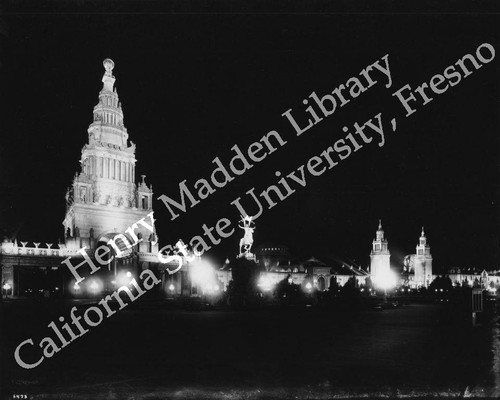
x: 76, y: 288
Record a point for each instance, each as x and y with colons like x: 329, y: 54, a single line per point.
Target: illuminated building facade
x: 380, y: 263
x: 102, y: 203
x: 104, y: 198
x: 423, y: 262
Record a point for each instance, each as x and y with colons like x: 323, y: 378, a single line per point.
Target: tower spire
x: 423, y: 262
x: 379, y: 224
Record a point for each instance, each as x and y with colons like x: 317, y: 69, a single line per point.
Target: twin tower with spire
x: 420, y: 263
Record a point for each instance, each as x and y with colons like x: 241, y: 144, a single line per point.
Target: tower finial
x: 423, y: 234
x: 380, y: 224
x: 108, y: 66
x: 108, y: 79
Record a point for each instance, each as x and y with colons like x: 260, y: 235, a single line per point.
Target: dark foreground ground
x: 148, y: 352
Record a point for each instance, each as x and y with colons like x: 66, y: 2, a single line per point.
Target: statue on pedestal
x: 247, y: 240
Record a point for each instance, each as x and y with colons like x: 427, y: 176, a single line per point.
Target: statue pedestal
x: 248, y: 256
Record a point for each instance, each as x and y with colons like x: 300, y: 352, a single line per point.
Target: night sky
x: 193, y: 84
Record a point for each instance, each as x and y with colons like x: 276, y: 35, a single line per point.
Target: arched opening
x: 121, y: 244
x: 118, y: 263
x: 145, y: 202
x: 321, y: 283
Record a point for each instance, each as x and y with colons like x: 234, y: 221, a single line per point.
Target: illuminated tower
x: 423, y: 262
x: 104, y: 198
x: 379, y: 257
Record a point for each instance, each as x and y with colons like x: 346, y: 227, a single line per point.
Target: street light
x: 94, y: 287
x: 123, y: 278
